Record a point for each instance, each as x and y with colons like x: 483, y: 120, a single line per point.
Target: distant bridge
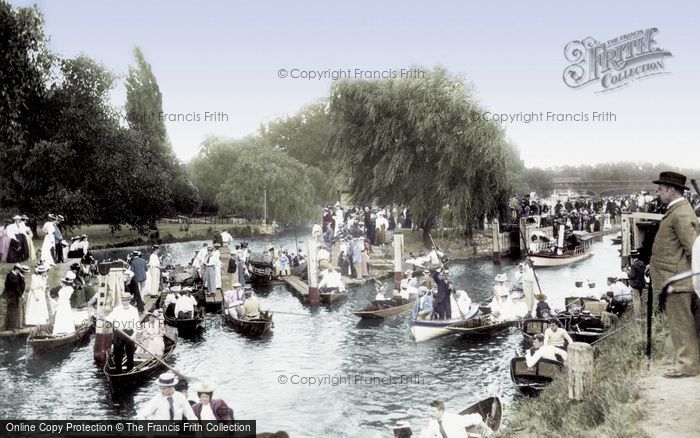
x: 600, y: 188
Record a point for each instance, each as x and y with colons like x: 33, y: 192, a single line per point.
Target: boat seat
x: 542, y: 371
x: 535, y: 327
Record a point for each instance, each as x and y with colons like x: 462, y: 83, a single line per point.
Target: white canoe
x: 426, y: 330
x: 543, y: 261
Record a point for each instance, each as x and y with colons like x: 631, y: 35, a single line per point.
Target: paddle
x: 179, y: 374
x: 461, y: 314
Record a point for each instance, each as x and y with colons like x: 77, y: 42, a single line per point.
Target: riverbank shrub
x: 613, y: 411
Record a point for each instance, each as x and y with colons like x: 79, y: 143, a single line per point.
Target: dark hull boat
x: 331, y: 297
x: 481, y: 327
x: 188, y: 327
x: 253, y: 328
x: 385, y: 313
x: 143, y: 369
x: 530, y: 381
x: 42, y: 341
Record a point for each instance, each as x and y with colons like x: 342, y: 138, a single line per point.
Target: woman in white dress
x: 63, y: 322
x: 37, y: 311
x: 152, y: 332
x: 48, y: 228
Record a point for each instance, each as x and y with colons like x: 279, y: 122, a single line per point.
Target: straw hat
x: 541, y: 297
x: 41, y: 268
x: 126, y: 296
x: 167, y: 379
x: 205, y: 388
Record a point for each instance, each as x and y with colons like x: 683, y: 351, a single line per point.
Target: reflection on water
x: 367, y: 376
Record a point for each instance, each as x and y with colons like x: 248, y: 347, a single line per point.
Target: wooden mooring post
x: 580, y: 365
x: 496, y: 242
x: 398, y: 257
x: 312, y: 272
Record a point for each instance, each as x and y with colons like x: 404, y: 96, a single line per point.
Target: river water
x: 368, y: 377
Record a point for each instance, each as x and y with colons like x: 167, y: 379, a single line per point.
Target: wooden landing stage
x: 301, y: 288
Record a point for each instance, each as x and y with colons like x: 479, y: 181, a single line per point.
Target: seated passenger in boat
x: 251, y: 307
x: 170, y: 301
x: 542, y: 311
x: 233, y: 300
x: 151, y: 333
x: 186, y: 305
x: 557, y: 336
x: 541, y: 351
x: 332, y: 281
x: 423, y: 308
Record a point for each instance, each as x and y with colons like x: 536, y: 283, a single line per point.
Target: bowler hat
x: 672, y: 179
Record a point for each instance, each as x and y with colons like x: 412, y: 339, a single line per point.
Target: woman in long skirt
x: 37, y: 309
x: 63, y: 322
x: 48, y: 244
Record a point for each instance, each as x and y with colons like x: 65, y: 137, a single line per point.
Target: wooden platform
x: 298, y: 285
x: 301, y: 288
x: 214, y: 300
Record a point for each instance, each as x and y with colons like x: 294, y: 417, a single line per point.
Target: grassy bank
x: 100, y: 235
x: 613, y: 411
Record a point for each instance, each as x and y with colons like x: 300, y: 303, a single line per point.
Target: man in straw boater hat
x: 670, y: 255
x: 15, y: 284
x: 168, y: 404
x: 126, y: 319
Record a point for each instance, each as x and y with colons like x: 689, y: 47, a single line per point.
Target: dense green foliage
x: 234, y: 174
x: 412, y: 142
x: 62, y: 148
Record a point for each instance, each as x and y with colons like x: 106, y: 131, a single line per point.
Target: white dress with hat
x: 37, y: 310
x: 48, y: 244
x: 63, y: 322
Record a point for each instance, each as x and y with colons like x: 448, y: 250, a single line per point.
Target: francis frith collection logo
x: 614, y: 63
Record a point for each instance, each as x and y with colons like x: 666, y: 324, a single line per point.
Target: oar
x: 288, y: 313
x: 178, y: 373
x: 461, y: 314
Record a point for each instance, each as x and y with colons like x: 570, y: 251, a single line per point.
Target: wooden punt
x: 385, y: 313
x: 144, y: 367
x: 42, y: 341
x: 253, y: 328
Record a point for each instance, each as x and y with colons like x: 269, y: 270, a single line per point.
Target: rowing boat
x: 491, y: 412
x: 480, y: 327
x: 188, y: 327
x: 385, y: 313
x: 423, y: 330
x: 530, y: 381
x: 144, y: 366
x: 253, y: 328
x: 42, y: 341
x: 331, y: 297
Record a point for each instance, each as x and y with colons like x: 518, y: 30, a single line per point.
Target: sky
x: 228, y: 57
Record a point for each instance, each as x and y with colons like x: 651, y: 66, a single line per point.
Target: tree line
x: 65, y: 149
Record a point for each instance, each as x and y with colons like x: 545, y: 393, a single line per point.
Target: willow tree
x: 420, y: 142
x: 237, y: 173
